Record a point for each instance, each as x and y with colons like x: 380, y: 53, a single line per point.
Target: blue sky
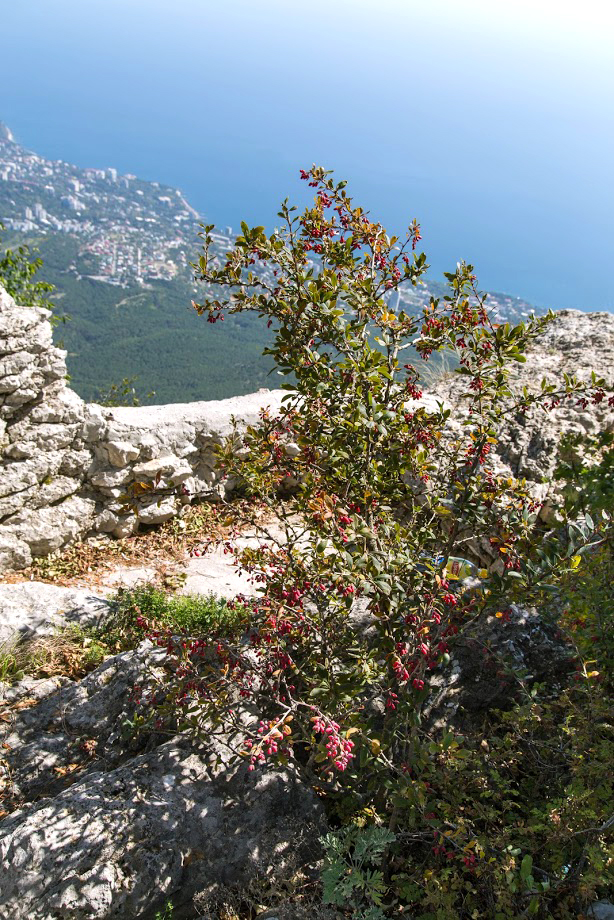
x: 491, y: 122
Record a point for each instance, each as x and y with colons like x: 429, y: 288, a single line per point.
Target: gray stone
x: 14, y: 382
x: 601, y: 910
x: 158, y: 511
x: 14, y: 553
x: 126, y: 527
x: 34, y: 688
x: 44, y: 737
x: 33, y: 609
x: 64, y: 407
x: 15, y: 363
x: 58, y: 487
x: 106, y: 521
x: 475, y: 680
x: 121, y: 453
x: 171, y: 468
x: 117, y: 844
x: 50, y: 491
x: 54, y: 436
x: 11, y: 504
x: 48, y: 529
x: 94, y: 424
x: 107, y: 479
x: 16, y: 477
x: 76, y: 463
x: 21, y: 450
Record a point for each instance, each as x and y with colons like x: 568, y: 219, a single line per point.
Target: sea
x: 501, y: 148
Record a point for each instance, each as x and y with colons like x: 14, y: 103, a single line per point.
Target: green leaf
x: 526, y: 867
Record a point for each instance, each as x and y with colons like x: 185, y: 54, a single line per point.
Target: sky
x: 490, y: 122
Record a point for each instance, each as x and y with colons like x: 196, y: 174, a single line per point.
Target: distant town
x: 130, y: 230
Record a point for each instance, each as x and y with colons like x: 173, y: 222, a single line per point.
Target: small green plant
x: 122, y: 394
x: 352, y: 877
x: 10, y: 669
x: 167, y: 913
x: 17, y: 270
x: 149, y: 607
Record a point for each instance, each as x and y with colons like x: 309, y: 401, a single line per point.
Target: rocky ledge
x: 67, y: 465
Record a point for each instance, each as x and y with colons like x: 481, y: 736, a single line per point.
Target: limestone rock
x: 94, y: 423
x: 121, y: 453
x: 106, y: 521
x: 32, y: 688
x: 48, y: 529
x: 475, y: 682
x: 573, y: 343
x: 33, y: 608
x: 18, y: 476
x: 64, y: 406
x: 156, y: 512
x: 173, y: 469
x: 14, y: 553
x: 126, y: 527
x: 75, y: 463
x: 118, y: 844
x: 43, y: 740
x: 110, y: 479
x: 601, y: 910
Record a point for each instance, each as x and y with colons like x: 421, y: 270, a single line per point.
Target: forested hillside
x: 151, y: 332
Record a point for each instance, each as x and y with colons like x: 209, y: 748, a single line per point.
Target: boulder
x: 14, y: 553
x: 48, y: 529
x: 157, y: 511
x: 171, y: 468
x: 77, y: 726
x: 121, y: 453
x: 601, y: 910
x: 167, y: 824
x: 32, y: 609
x: 477, y: 678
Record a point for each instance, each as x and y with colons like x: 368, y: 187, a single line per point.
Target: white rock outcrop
x: 44, y: 460
x: 118, y: 843
x: 573, y: 343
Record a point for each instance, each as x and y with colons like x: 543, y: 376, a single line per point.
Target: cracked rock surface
x: 116, y: 844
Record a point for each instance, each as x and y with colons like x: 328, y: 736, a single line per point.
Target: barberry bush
x: 381, y: 501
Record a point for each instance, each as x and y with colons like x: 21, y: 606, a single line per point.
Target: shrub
x: 378, y: 500
x: 17, y: 270
x: 122, y: 394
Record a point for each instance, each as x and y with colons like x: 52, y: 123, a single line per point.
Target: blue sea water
x: 500, y: 143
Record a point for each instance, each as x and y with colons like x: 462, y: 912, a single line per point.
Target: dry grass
x: 159, y: 547
x: 71, y: 653
x: 440, y: 367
